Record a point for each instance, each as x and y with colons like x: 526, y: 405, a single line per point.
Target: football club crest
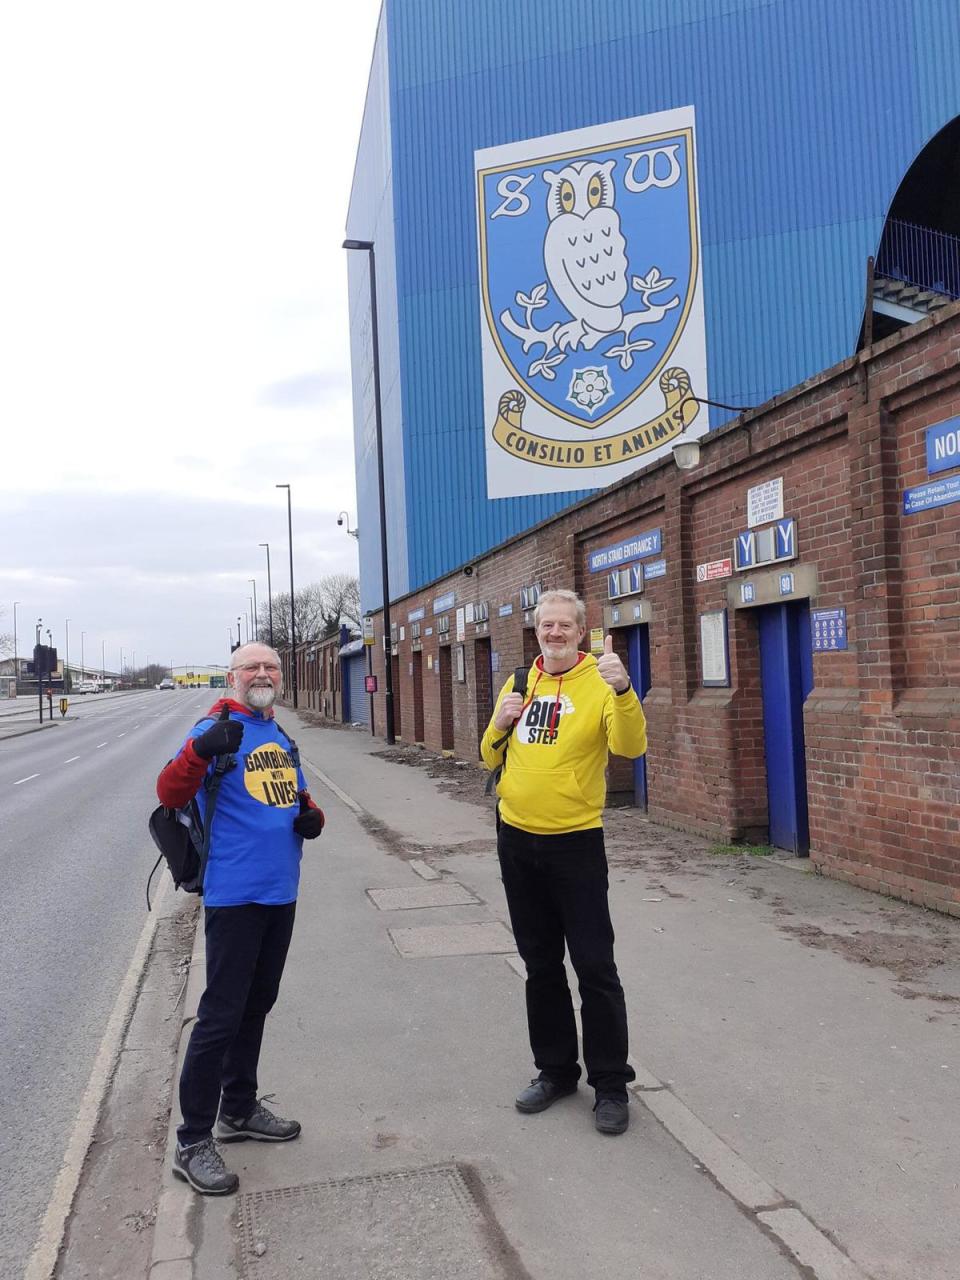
x: 591, y: 302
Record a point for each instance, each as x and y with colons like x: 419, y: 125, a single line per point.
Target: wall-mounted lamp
x: 344, y: 519
x: 686, y: 454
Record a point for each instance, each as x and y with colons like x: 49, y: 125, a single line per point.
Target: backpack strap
x: 520, y: 676
x: 211, y: 786
x: 294, y: 749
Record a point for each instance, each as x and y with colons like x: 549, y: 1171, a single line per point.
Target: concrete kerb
x: 22, y: 733
x: 173, y: 1247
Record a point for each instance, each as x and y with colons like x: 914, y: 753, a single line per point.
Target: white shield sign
x: 594, y: 355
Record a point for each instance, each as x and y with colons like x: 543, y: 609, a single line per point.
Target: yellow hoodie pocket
x: 544, y: 800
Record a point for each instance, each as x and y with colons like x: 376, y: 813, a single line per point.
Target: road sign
x: 368, y: 631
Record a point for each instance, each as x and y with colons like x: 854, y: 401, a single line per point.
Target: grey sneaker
x: 261, y: 1125
x: 202, y: 1166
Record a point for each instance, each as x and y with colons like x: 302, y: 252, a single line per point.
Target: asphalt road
x: 75, y: 854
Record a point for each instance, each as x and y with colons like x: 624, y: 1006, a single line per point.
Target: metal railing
x: 920, y: 256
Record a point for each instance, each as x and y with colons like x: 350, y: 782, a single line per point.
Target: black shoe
x: 542, y: 1093
x: 611, y: 1115
x: 261, y: 1125
x: 202, y: 1166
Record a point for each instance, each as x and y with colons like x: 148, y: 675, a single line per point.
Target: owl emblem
x: 584, y: 251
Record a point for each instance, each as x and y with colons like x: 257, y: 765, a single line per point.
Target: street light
x: 38, y: 667
x: 269, y: 590
x: 66, y: 652
x: 367, y: 247
x: 256, y: 628
x: 238, y: 631
x: 16, y: 669
x: 82, y: 672
x: 293, y: 629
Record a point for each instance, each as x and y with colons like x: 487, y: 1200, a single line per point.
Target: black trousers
x: 556, y: 889
x: 246, y: 950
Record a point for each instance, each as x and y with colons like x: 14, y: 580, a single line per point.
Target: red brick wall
x: 882, y: 724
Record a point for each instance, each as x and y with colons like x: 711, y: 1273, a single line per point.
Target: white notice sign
x: 713, y: 648
x: 765, y: 502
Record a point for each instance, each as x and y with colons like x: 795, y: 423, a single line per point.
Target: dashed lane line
x: 71, y: 760
x: 100, y: 744
x: 26, y: 779
x: 122, y: 735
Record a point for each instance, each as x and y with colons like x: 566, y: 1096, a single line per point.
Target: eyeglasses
x: 251, y: 668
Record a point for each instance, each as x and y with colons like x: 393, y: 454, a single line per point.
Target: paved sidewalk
x: 795, y: 1041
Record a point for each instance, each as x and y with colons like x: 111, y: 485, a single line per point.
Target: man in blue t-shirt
x: 263, y: 814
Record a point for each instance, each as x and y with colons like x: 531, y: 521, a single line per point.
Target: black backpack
x: 183, y: 837
x: 519, y: 686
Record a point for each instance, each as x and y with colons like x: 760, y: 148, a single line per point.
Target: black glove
x: 221, y: 739
x: 308, y: 823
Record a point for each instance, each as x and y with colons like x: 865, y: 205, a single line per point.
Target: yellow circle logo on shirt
x: 270, y: 776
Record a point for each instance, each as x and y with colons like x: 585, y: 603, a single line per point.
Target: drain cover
x: 449, y: 894
x: 410, y: 1224
x: 487, y: 938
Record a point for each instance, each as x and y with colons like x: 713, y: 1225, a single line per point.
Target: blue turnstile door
x: 786, y: 674
x: 638, y: 665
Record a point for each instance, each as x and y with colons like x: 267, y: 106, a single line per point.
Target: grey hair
x: 252, y: 644
x: 562, y: 596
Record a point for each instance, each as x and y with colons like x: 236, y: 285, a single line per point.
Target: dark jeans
x: 556, y: 889
x: 246, y: 951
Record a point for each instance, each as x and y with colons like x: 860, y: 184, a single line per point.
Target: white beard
x: 259, y: 697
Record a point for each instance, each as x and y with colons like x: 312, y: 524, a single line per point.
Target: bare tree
x: 319, y: 609
x: 6, y: 639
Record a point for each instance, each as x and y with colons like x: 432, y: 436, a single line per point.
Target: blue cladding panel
x: 808, y: 116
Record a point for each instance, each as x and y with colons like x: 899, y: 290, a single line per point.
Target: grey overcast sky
x: 173, y: 312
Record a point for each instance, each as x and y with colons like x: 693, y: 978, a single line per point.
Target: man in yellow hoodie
x: 550, y: 745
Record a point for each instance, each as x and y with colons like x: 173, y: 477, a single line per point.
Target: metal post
x: 256, y: 625
x: 16, y: 669
x: 238, y: 631
x: 83, y: 675
x: 384, y: 565
x: 269, y: 591
x: 103, y: 665
x: 39, y: 669
x: 293, y: 628
x: 868, y: 309
x: 66, y: 652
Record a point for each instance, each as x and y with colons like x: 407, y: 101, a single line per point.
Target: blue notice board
x: 938, y: 493
x: 943, y: 446
x: 828, y: 629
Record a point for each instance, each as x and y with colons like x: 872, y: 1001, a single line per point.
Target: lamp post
x: 16, y: 670
x: 293, y: 628
x: 367, y: 247
x: 269, y: 591
x: 38, y: 666
x: 103, y: 665
x: 66, y: 653
x: 83, y: 674
x: 238, y: 631
x: 256, y: 625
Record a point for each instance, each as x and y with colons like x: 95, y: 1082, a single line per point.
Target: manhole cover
x: 411, y: 1224
x: 488, y: 938
x: 450, y: 894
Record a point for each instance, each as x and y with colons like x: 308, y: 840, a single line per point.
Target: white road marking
x: 122, y: 735
x: 100, y: 744
x: 26, y: 779
x: 44, y: 1256
x: 136, y: 726
x: 71, y: 760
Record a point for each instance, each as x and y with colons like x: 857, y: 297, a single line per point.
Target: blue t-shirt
x: 254, y: 850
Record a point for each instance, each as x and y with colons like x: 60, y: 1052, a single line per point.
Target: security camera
x: 339, y: 519
x: 468, y: 571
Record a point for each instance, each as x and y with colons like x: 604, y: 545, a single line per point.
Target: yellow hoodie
x: 553, y: 778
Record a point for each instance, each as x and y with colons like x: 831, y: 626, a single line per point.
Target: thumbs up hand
x: 611, y: 668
